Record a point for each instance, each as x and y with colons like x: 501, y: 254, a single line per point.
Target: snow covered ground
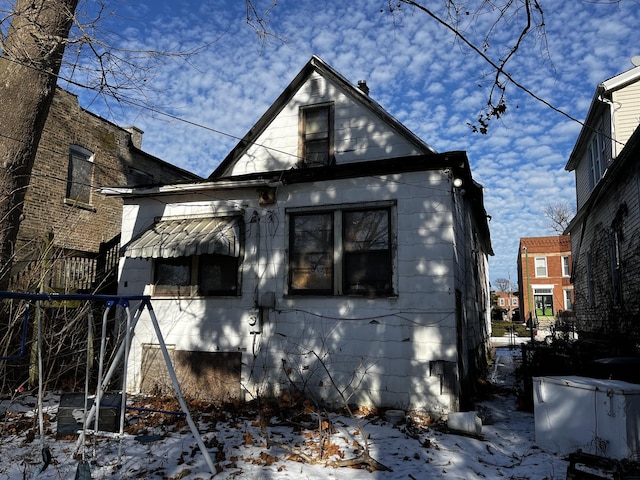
x: 237, y: 446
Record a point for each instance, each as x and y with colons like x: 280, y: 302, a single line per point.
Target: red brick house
x: 507, y: 301
x: 544, y: 277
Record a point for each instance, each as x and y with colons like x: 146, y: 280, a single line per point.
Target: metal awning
x: 188, y: 236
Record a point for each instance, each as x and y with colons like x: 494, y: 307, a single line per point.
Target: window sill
x: 165, y: 296
x: 80, y: 205
x: 293, y: 296
x: 188, y: 295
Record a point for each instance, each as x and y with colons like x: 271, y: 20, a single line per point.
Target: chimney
x: 136, y: 136
x: 362, y: 85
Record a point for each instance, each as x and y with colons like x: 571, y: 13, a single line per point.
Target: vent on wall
x: 446, y: 371
x: 314, y: 87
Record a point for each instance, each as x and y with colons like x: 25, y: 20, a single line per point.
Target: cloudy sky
x: 195, y: 108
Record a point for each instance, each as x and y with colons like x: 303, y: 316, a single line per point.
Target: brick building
x: 507, y: 301
x: 544, y: 277
x: 66, y: 223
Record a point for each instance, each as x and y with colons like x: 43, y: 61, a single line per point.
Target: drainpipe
x: 526, y: 264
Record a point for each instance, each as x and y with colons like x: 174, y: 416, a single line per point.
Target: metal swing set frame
x: 122, y: 353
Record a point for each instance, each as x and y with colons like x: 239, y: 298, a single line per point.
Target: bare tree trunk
x: 29, y: 65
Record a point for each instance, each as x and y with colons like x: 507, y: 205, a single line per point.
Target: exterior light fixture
x: 457, y: 182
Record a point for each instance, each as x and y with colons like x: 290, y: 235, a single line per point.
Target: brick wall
x: 115, y: 163
x: 553, y: 249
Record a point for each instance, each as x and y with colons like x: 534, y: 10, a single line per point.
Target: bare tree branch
x: 503, y: 285
x: 558, y: 214
x: 534, y: 24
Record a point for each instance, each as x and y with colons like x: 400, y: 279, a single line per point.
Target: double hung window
x: 316, y: 134
x: 596, y: 156
x: 541, y: 266
x: 565, y: 267
x: 568, y: 300
x: 345, y: 251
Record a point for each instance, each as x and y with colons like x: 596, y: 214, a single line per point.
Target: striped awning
x: 188, y: 236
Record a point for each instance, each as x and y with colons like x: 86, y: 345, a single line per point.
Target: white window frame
x: 568, y: 299
x: 566, y: 266
x: 538, y: 267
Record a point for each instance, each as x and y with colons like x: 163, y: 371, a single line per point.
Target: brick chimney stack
x: 362, y: 85
x: 136, y: 136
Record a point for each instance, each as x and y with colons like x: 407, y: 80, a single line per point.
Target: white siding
x: 386, y: 343
x: 626, y: 104
x: 358, y: 133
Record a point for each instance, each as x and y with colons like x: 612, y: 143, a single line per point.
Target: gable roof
x: 597, y: 108
x: 315, y: 65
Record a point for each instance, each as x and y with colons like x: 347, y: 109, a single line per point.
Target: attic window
x: 316, y: 135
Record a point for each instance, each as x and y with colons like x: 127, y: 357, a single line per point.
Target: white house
x: 605, y: 232
x: 332, y: 253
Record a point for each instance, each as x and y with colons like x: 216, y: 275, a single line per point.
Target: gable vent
x: 314, y: 87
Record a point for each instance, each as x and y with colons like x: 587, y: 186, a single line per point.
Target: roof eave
x: 186, y: 188
x: 621, y: 80
x: 604, y: 88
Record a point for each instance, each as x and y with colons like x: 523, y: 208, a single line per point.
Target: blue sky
x: 415, y: 70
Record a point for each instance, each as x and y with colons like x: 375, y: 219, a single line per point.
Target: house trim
x: 599, y: 104
x: 315, y: 64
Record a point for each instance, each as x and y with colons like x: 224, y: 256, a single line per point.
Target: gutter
x: 186, y: 188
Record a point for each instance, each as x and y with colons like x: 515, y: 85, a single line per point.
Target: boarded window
x: 209, y: 376
x: 80, y: 175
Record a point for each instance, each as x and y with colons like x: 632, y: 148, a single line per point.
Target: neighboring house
x: 332, y: 251
x: 67, y: 226
x: 544, y: 278
x: 605, y: 232
x: 507, y: 301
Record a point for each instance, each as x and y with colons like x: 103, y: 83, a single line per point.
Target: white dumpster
x: 601, y: 417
